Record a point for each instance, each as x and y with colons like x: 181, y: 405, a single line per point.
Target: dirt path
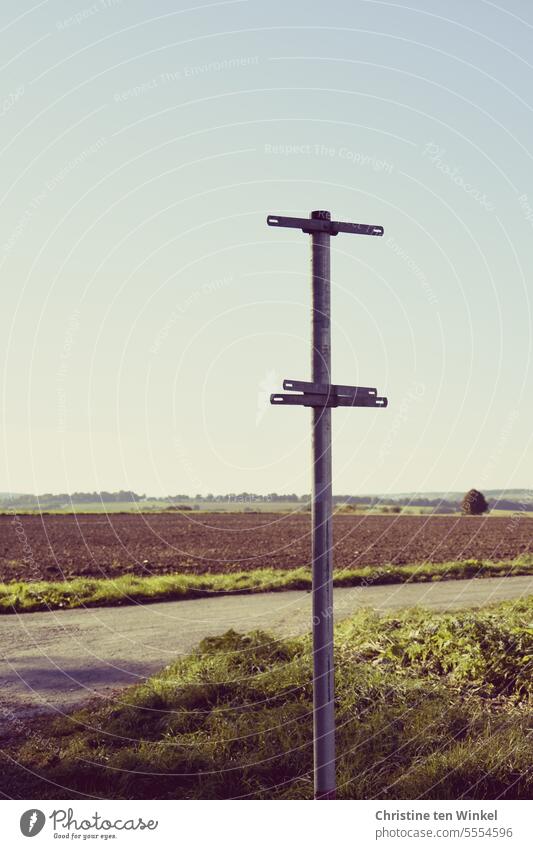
x: 57, y: 660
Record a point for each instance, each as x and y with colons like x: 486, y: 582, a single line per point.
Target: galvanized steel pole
x: 323, y: 672
x: 321, y: 394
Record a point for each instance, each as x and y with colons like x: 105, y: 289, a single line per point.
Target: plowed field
x: 55, y: 547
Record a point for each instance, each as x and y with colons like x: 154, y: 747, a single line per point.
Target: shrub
x: 474, y: 503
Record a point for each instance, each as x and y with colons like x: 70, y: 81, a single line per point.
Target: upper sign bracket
x: 323, y: 225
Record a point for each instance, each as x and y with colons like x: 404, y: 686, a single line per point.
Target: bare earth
x: 58, y: 547
x: 57, y: 660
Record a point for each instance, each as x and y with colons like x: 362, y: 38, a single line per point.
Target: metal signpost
x: 322, y: 395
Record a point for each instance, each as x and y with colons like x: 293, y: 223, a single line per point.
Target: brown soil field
x: 55, y: 547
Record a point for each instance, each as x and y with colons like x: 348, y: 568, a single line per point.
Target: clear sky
x: 147, y: 309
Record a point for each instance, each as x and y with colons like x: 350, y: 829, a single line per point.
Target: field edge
x: 30, y: 597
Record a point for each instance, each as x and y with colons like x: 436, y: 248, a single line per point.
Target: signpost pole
x: 322, y: 540
x: 321, y: 394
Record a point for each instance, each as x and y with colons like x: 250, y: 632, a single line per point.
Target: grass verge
x: 428, y: 706
x: 25, y: 597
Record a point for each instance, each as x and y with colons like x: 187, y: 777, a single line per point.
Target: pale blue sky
x: 148, y: 311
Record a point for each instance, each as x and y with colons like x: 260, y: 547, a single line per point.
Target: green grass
x: 162, y: 505
x: 154, y: 506
x: 149, y: 506
x: 25, y: 597
x: 428, y: 706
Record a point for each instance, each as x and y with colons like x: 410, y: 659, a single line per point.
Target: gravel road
x: 58, y: 660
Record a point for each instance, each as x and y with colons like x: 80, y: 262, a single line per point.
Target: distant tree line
x: 469, y: 504
x: 62, y: 498
x: 240, y: 497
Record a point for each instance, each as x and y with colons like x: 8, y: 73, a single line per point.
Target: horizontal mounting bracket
x: 326, y: 389
x: 324, y: 395
x: 308, y: 399
x: 324, y: 225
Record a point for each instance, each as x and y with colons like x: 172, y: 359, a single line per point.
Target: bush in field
x: 474, y: 503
